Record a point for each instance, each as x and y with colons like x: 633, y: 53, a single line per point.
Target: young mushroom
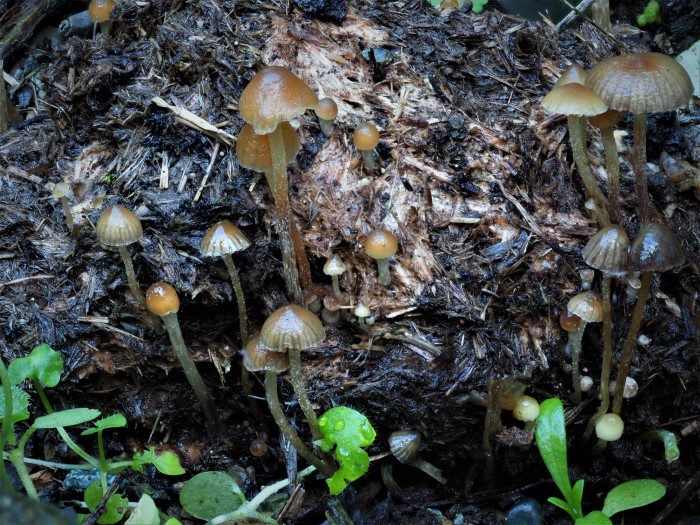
x: 608, y: 428
x: 331, y: 310
x: 527, y: 409
x: 326, y: 111
x: 162, y: 300
x: 362, y: 312
x: 334, y: 267
x: 99, y: 12
x: 62, y: 191
x: 366, y: 138
x: 381, y: 245
x: 405, y: 445
x: 589, y: 308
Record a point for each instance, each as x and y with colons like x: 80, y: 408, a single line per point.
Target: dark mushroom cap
x: 608, y: 250
x: 366, y: 136
x: 273, y: 96
x: 655, y: 249
x: 257, y: 358
x: 118, y: 226
x: 574, y: 74
x: 573, y: 99
x: 587, y: 306
x: 162, y: 299
x: 327, y: 109
x: 291, y: 327
x: 641, y: 83
x: 253, y: 151
x: 223, y: 238
x: 381, y: 244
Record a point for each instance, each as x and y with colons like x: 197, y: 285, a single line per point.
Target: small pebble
x: 527, y: 511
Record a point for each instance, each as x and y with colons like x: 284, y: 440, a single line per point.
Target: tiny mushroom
x: 99, y: 12
x: 331, y: 310
x: 609, y: 427
x: 527, y: 409
x: 589, y: 308
x: 326, y: 111
x: 362, y: 312
x: 62, y: 191
x: 381, y: 245
x: 366, y: 138
x: 334, y: 267
x: 404, y: 445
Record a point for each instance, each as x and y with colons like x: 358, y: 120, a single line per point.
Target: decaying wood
x: 20, y: 28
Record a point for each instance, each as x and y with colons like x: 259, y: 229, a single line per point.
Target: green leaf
x: 563, y: 505
x: 348, y: 430
x: 67, y: 418
x: 114, y: 509
x: 20, y: 405
x: 113, y: 421
x: 633, y: 494
x: 211, y: 494
x: 577, y: 494
x: 173, y: 521
x: 166, y: 463
x: 594, y: 518
x: 478, y: 5
x: 550, y: 434
x: 145, y: 513
x: 43, y: 364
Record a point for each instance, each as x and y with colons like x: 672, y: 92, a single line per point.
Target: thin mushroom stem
x: 612, y: 162
x: 297, y: 376
x: 277, y: 179
x: 336, y: 286
x: 639, y: 166
x: 383, y: 270
x: 131, y: 276
x: 575, y: 338
x: 630, y: 341
x: 285, y: 427
x: 70, y: 224
x: 240, y: 298
x: 578, y: 148
x: 190, y: 369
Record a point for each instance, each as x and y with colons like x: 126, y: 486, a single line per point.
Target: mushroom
x: 99, y: 12
x: 577, y: 101
x: 326, y: 111
x: 362, y: 312
x: 366, y: 138
x: 162, y: 300
x: 62, y: 191
x: 606, y: 123
x: 607, y: 428
x: 527, y: 409
x: 275, y: 95
x: 587, y: 306
x: 334, y: 267
x: 381, y: 245
x: 331, y: 310
x: 223, y: 239
x: 405, y: 445
x: 641, y: 83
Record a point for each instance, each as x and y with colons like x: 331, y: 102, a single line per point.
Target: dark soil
x: 475, y: 178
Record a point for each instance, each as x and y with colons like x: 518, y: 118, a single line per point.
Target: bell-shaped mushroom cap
x: 641, y: 83
x: 574, y: 74
x: 274, y: 95
x: 253, y: 151
x: 606, y: 120
x: 366, y: 136
x: 334, y: 265
x: 61, y: 189
x: 223, y: 238
x: 608, y: 250
x: 162, y: 299
x: 573, y: 99
x: 381, y: 244
x: 327, y: 109
x: 362, y: 310
x: 257, y: 358
x: 100, y: 10
x: 118, y: 226
x: 655, y: 249
x: 587, y: 306
x: 291, y: 327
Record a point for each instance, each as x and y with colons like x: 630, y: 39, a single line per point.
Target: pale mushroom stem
x: 575, y: 345
x: 639, y: 166
x: 190, y: 369
x: 326, y: 126
x: 578, y: 148
x: 70, y: 224
x: 336, y: 285
x: 285, y: 427
x: 277, y: 180
x: 131, y: 276
x: 630, y: 341
x: 240, y: 298
x: 613, y: 164
x: 297, y: 376
x: 369, y: 159
x: 383, y: 270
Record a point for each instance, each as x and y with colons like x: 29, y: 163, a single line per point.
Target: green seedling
x: 651, y: 16
x: 348, y: 431
x: 669, y: 440
x: 550, y: 435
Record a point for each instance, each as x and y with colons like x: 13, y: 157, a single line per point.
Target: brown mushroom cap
x: 327, y: 109
x: 118, y: 226
x: 573, y: 99
x: 607, y: 120
x: 572, y: 74
x: 253, y: 151
x: 223, y: 238
x: 162, y: 299
x: 366, y: 136
x: 257, y: 358
x: 641, y: 83
x: 655, y: 249
x: 291, y: 327
x: 587, y: 306
x: 273, y: 96
x: 381, y: 244
x: 100, y: 10
x: 608, y: 250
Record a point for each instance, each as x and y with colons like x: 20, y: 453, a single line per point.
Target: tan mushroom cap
x: 327, y: 109
x: 607, y: 120
x: 573, y: 99
x: 223, y: 238
x: 334, y: 265
x: 381, y: 244
x: 118, y: 226
x: 291, y: 327
x: 273, y: 96
x: 366, y: 136
x: 162, y: 299
x: 655, y: 249
x: 100, y: 10
x: 253, y: 151
x: 60, y: 190
x: 257, y: 358
x: 641, y: 83
x: 572, y: 74
x: 587, y: 306
x: 608, y: 250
